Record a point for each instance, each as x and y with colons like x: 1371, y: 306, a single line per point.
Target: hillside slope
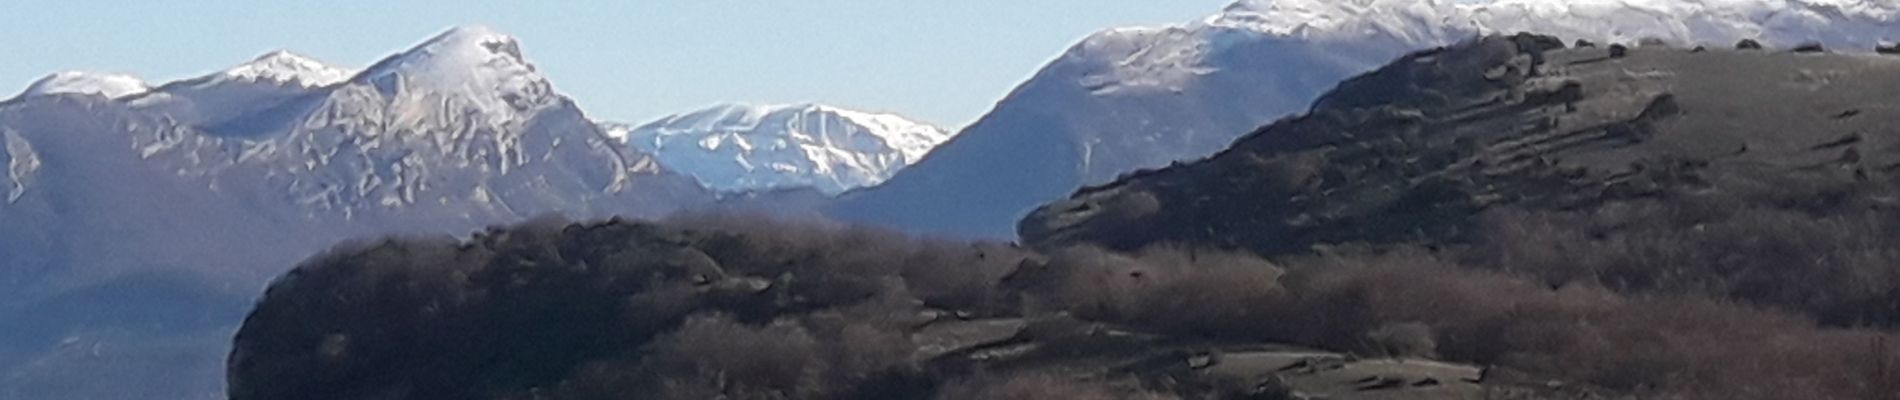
x: 1416, y: 151
x: 1143, y: 97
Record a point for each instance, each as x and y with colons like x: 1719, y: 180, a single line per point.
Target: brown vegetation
x: 1840, y: 268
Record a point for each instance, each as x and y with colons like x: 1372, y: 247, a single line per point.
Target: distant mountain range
x: 1127, y: 99
x: 741, y: 148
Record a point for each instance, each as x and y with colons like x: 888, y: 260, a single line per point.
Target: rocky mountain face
x: 748, y: 148
x: 193, y: 194
x: 1133, y: 98
x: 1414, y: 152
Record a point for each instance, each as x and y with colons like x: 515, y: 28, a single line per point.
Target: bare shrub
x: 1669, y: 346
x: 1841, y: 268
x: 1404, y: 340
x: 1167, y: 289
x: 1041, y: 387
x: 962, y: 277
x: 780, y: 360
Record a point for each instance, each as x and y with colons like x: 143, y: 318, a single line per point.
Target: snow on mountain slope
x: 83, y: 82
x: 214, y: 102
x: 284, y: 67
x: 736, y: 148
x: 1134, y: 98
x: 21, y: 164
x: 473, y: 64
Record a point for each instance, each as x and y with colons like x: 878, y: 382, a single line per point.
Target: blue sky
x: 942, y: 61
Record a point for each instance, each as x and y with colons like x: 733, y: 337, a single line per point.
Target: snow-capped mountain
x: 83, y: 82
x: 207, y: 187
x: 449, y: 136
x: 1133, y: 98
x: 737, y: 148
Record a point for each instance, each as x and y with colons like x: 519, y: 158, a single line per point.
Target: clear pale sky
x: 942, y: 61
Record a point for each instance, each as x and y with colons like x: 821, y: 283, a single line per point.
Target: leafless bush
x: 1840, y: 268
x: 780, y: 360
x: 1668, y: 346
x: 1406, y: 339
x: 1168, y: 289
x: 1041, y: 387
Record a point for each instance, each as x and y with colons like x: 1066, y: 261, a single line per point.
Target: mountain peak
x: 283, y: 66
x: 474, y: 63
x: 109, y: 85
x: 463, y: 46
x: 479, y: 38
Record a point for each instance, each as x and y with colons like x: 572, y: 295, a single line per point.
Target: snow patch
x: 110, y: 85
x: 284, y: 67
x: 22, y: 163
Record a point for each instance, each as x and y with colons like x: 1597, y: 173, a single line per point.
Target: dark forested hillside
x: 722, y: 307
